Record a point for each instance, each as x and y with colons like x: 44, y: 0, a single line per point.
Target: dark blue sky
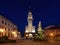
x: 46, y: 11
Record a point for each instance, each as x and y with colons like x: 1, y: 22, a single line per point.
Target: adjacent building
x: 7, y: 28
x: 30, y: 29
x: 52, y: 32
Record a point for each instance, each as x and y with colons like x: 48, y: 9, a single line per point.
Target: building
x: 7, y: 28
x: 30, y: 29
x: 52, y: 32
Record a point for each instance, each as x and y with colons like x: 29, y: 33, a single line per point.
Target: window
x: 2, y: 17
x: 2, y: 27
x: 8, y: 34
x: 2, y: 22
x: 5, y: 28
x: 5, y: 34
x: 11, y: 26
x: 9, y: 29
x: 5, y: 23
x: 8, y: 24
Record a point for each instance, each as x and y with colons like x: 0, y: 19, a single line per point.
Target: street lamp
x: 51, y: 34
x: 30, y: 35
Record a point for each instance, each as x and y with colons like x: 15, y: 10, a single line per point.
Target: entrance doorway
x: 30, y: 36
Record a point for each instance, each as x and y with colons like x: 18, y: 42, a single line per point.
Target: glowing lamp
x: 1, y: 30
x: 26, y: 34
x: 14, y: 33
x: 30, y: 35
x: 51, y: 34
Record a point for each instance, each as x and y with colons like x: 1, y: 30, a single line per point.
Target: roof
x: 8, y: 20
x: 53, y: 27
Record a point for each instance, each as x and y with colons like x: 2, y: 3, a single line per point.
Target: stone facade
x: 53, y: 32
x: 7, y: 28
x: 30, y: 29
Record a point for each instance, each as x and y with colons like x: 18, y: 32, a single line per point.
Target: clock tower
x: 30, y: 29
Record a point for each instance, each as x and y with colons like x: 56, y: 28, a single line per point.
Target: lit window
x: 30, y: 35
x: 33, y: 31
x: 5, y: 23
x: 1, y: 30
x: 9, y: 29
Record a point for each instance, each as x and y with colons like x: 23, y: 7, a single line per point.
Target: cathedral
x: 30, y: 29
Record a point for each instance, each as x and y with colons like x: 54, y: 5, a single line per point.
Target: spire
x: 30, y: 14
x: 29, y: 8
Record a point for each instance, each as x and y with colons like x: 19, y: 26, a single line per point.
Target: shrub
x: 4, y: 38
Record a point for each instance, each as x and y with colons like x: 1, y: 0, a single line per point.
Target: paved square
x: 30, y: 42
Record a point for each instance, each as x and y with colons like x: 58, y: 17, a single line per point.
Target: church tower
x: 29, y: 29
x: 30, y: 19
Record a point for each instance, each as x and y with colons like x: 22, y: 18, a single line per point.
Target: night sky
x: 46, y: 11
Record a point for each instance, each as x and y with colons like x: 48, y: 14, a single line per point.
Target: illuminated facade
x: 7, y: 28
x: 52, y: 32
x: 30, y: 29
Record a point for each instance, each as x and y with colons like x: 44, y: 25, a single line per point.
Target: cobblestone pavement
x: 30, y: 42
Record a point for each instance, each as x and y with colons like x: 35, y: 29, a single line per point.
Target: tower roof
x: 29, y: 9
x: 30, y: 13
